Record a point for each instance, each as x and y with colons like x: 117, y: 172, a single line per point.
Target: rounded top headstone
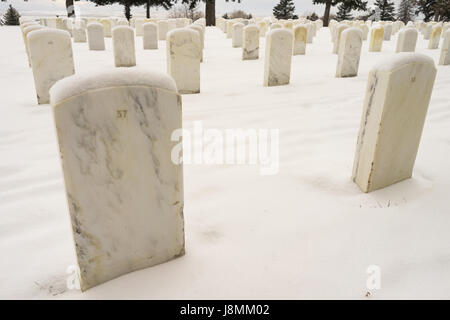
x: 80, y: 83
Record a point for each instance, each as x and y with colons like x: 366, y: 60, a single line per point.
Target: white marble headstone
x: 250, y: 43
x: 150, y: 36
x: 183, y: 59
x: 51, y: 59
x: 406, y: 40
x: 300, y: 39
x: 238, y: 29
x: 278, y: 56
x: 96, y: 40
x: 396, y: 103
x: 123, y: 46
x: 444, y: 58
x: 125, y: 195
x: 349, y: 53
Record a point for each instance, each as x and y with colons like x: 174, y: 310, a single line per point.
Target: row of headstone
x: 134, y: 114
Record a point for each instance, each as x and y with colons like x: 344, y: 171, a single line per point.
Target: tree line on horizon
x: 437, y: 10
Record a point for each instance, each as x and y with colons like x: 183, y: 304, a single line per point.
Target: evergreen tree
x: 442, y: 10
x: 387, y: 10
x: 11, y: 17
x: 360, y: 5
x: 406, y: 11
x: 284, y: 10
x: 166, y: 4
x: 344, y: 12
x: 426, y: 7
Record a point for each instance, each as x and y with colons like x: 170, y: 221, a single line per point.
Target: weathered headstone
x: 444, y: 58
x: 387, y: 32
x: 150, y: 36
x: 336, y: 43
x: 300, y: 37
x: 376, y: 39
x: 427, y: 31
x: 138, y: 24
x: 51, y: 59
x: 163, y: 28
x: 349, y: 53
x: 435, y: 37
x: 96, y: 40
x: 183, y: 59
x: 250, y: 47
x: 25, y: 33
x: 278, y: 55
x: 79, y: 31
x: 106, y: 27
x: 238, y: 29
x: 124, y: 192
x: 407, y: 39
x: 123, y: 46
x: 201, y: 34
x: 397, y: 97
x: 262, y: 25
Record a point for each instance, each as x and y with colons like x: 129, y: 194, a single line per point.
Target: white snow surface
x: 307, y: 232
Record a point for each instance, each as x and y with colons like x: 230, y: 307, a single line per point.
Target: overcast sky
x: 256, y: 7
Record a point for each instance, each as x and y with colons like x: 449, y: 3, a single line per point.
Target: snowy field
x: 307, y: 232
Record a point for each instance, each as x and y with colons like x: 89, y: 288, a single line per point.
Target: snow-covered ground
x: 307, y: 232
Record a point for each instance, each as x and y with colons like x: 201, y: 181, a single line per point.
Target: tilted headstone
x: 250, y: 47
x: 376, y: 39
x: 163, y: 28
x: 278, y: 55
x: 123, y: 46
x: 300, y: 37
x: 396, y: 102
x: 349, y: 53
x: 435, y: 37
x: 444, y: 58
x: 150, y: 36
x: 96, y: 40
x: 407, y: 39
x: 238, y: 29
x: 51, y: 59
x: 125, y: 194
x: 183, y: 59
